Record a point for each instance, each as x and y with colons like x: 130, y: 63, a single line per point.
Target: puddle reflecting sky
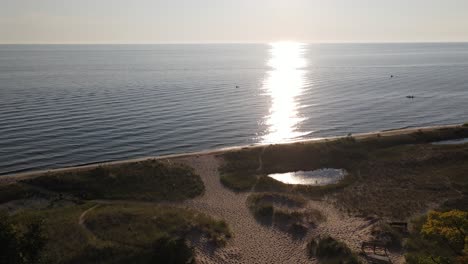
x: 315, y: 177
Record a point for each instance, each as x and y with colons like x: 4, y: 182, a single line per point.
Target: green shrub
x: 21, y: 246
x: 328, y: 250
x: 264, y: 210
x: 16, y: 191
x: 238, y: 182
x: 172, y: 251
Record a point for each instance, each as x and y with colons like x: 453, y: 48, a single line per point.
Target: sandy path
x: 256, y: 243
x: 252, y: 242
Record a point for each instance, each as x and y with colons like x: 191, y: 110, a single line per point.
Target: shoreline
x: 12, y: 177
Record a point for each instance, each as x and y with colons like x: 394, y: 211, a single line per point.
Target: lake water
x: 318, y: 177
x: 63, y: 105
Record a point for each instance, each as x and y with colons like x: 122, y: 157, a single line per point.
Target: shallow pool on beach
x: 316, y: 177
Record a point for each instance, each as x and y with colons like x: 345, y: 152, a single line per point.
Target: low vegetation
x: 121, y: 233
x: 107, y: 215
x: 330, y: 251
x: 17, y: 191
x: 147, y: 180
x: 21, y: 245
x: 286, y: 212
x: 140, y: 225
x: 439, y: 237
x: 392, y: 176
x: 390, y: 237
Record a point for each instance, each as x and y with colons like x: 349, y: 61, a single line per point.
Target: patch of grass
x: 278, y: 198
x: 147, y: 180
x: 391, y: 175
x: 465, y: 125
x: 65, y: 238
x: 390, y: 237
x: 132, y: 233
x: 331, y: 251
x: 284, y: 211
x: 141, y: 225
x: 16, y: 191
x: 238, y: 182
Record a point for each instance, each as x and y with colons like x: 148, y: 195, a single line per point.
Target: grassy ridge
x: 119, y: 233
x: 391, y: 176
x: 148, y: 180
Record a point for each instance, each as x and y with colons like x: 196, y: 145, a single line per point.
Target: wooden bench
x: 400, y: 226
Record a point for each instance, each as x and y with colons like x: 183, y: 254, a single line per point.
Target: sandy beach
x: 400, y: 131
x: 253, y: 242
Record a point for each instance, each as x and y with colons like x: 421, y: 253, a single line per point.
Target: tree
x: 20, y: 247
x: 448, y: 228
x: 9, y: 252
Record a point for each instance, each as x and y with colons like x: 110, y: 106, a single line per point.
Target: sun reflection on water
x: 284, y: 84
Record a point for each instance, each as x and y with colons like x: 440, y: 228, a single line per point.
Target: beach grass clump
x: 18, y: 191
x: 400, y: 181
x: 284, y: 211
x: 238, y: 181
x: 122, y: 233
x: 391, y: 237
x: 140, y: 225
x: 330, y: 251
x: 281, y: 199
x: 147, y: 180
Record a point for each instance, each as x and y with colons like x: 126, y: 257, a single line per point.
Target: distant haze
x: 212, y: 21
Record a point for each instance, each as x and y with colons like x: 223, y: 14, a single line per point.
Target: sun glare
x: 284, y: 84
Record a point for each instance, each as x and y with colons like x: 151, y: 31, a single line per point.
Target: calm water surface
x: 69, y: 105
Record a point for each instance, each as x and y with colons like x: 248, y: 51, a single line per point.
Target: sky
x: 232, y: 21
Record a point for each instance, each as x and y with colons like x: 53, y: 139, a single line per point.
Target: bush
x: 439, y: 236
x: 264, y: 210
x: 328, y: 250
x: 238, y: 182
x: 169, y: 250
x: 18, y: 247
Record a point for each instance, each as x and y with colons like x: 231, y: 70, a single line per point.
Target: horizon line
x: 266, y: 42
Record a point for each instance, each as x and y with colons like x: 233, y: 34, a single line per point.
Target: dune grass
x: 139, y: 225
x: 284, y: 211
x: 121, y: 233
x: 147, y: 180
x: 17, y: 191
x: 330, y: 251
x: 392, y: 176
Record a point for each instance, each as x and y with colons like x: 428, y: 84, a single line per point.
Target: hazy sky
x: 177, y: 21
